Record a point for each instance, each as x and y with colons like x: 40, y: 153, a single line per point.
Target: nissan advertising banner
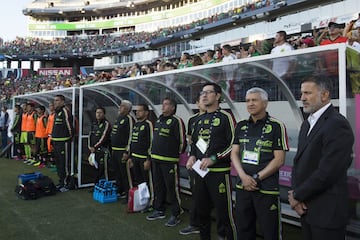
x: 65, y: 71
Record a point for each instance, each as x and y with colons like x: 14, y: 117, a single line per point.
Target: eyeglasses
x: 206, y: 92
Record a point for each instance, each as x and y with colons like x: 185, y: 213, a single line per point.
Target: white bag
x: 137, y: 202
x: 144, y: 193
x: 92, y: 160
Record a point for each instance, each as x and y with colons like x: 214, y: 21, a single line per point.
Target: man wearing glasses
x: 212, y: 137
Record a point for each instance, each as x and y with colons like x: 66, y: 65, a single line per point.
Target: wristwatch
x: 256, y: 177
x: 213, y: 158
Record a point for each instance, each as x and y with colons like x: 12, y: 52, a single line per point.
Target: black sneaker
x: 156, y: 215
x: 189, y: 230
x: 172, y: 222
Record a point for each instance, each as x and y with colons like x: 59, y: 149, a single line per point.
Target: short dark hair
x: 283, y: 34
x: 210, y: 53
x: 172, y: 103
x: 101, y: 108
x: 187, y: 55
x: 42, y: 108
x: 144, y: 106
x: 227, y: 47
x: 62, y: 98
x: 323, y: 82
x: 217, y: 88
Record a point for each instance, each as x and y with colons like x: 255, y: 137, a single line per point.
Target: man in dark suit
x: 319, y: 179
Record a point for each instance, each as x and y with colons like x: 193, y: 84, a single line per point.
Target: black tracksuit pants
x: 121, y: 171
x: 62, y: 160
x: 214, y: 190
x: 166, y: 183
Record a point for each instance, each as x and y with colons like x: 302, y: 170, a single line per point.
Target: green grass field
x: 75, y: 215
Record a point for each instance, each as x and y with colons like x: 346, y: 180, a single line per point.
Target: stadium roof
x: 67, y: 8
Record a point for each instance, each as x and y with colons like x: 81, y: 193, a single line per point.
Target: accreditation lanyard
x: 201, y: 143
x: 253, y: 157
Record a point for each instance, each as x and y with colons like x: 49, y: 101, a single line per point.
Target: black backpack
x: 33, y: 189
x: 27, y: 190
x: 45, y: 185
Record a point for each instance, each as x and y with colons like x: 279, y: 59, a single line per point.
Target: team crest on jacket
x: 168, y: 122
x: 142, y: 127
x: 216, y: 122
x: 268, y: 128
x: 122, y: 121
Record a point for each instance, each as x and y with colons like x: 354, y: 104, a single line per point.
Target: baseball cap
x: 336, y: 25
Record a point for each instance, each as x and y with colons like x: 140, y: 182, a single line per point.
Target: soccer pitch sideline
x: 75, y: 215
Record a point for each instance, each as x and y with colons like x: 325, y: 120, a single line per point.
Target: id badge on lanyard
x: 250, y: 157
x: 202, y: 145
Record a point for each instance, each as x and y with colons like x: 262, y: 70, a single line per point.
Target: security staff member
x: 167, y: 145
x: 120, y: 141
x: 211, y: 145
x: 99, y: 143
x: 62, y: 133
x: 258, y: 152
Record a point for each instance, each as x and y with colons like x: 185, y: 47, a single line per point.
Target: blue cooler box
x: 23, y: 178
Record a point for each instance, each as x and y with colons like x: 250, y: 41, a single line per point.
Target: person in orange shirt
x: 28, y: 132
x: 49, y: 127
x: 41, y: 137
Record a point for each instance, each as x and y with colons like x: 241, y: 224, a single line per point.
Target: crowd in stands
x: 84, y: 45
x: 11, y: 87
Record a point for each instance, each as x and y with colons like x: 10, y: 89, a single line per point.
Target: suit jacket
x: 319, y: 176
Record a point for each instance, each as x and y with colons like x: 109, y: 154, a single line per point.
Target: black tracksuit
x: 62, y: 133
x: 168, y: 142
x: 120, y: 141
x: 99, y: 139
x: 16, y: 131
x: 217, y: 130
x: 140, y: 151
x: 140, y: 147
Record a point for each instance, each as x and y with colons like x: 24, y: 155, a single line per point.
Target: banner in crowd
x: 14, y: 73
x: 65, y: 71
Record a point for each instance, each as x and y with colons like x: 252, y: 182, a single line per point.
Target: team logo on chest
x: 268, y: 128
x: 216, y: 122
